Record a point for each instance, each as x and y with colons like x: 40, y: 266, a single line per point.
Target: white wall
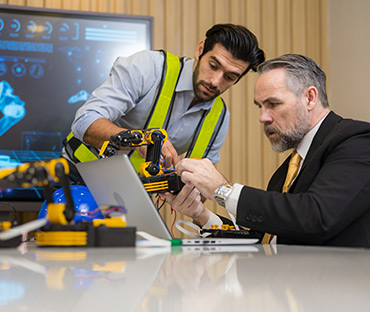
x: 349, y: 57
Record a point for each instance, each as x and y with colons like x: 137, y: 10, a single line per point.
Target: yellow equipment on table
x: 61, y: 230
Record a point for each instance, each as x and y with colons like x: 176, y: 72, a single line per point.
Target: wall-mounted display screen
x: 50, y: 62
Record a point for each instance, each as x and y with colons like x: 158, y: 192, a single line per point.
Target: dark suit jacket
x: 329, y: 202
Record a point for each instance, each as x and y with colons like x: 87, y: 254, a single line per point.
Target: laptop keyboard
x: 227, y: 231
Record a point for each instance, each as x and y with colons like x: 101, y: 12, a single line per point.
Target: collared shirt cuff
x: 231, y: 203
x: 213, y: 219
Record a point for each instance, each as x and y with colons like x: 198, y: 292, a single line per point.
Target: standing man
x: 155, y: 89
x: 324, y: 196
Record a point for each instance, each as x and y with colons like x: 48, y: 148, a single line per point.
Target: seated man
x: 328, y: 201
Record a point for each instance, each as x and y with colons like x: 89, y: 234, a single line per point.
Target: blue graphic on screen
x: 50, y: 62
x: 11, y: 107
x: 83, y: 95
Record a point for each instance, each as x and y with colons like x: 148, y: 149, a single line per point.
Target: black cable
x: 15, y: 221
x: 159, y: 208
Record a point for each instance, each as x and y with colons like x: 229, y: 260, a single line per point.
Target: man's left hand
x: 201, y: 174
x: 188, y: 202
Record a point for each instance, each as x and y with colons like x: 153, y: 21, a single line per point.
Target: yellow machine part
x: 144, y: 173
x: 103, y: 148
x: 148, y: 135
x: 7, y: 171
x: 52, y: 164
x: 5, y: 225
x: 55, y: 213
x: 156, y: 186
x: 49, y: 166
x: 61, y: 238
x: 110, y: 222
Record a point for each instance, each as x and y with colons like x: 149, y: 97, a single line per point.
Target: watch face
x: 222, y: 193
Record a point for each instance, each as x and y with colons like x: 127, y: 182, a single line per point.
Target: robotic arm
x: 153, y: 138
x: 41, y: 174
x: 130, y: 138
x: 155, y: 178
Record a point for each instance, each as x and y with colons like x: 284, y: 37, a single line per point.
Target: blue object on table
x: 85, y: 205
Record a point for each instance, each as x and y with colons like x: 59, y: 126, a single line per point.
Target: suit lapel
x: 326, y: 127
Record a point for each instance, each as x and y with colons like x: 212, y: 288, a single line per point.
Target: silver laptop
x: 114, y: 181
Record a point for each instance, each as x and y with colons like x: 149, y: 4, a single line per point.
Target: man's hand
x: 201, y: 174
x: 188, y: 202
x: 168, y: 153
x: 141, y: 150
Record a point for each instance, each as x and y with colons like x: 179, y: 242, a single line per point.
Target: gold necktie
x: 292, y: 170
x: 291, y: 174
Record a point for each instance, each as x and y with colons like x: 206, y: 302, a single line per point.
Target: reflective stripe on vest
x: 77, y: 150
x: 207, y: 130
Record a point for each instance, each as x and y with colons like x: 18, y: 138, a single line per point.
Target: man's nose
x: 265, y: 116
x: 216, y: 79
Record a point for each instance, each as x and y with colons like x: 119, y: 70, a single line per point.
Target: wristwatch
x: 222, y: 193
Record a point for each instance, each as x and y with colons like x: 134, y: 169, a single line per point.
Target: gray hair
x: 302, y: 72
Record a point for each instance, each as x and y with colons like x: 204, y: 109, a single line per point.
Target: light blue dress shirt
x: 126, y: 97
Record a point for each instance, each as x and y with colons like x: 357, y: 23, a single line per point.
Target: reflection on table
x: 239, y: 278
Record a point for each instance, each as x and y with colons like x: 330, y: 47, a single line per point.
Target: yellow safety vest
x: 205, y: 133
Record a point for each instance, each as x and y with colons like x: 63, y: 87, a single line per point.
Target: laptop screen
x: 114, y: 181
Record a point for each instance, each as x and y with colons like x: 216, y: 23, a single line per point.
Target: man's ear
x: 199, y: 50
x: 312, y: 96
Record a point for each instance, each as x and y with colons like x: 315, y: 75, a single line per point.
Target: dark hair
x: 238, y: 40
x: 301, y: 73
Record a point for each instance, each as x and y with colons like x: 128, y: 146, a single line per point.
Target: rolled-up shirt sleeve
x: 130, y: 80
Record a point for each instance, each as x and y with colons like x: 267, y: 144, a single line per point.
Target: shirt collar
x: 185, y: 84
x: 305, y: 144
x: 186, y: 78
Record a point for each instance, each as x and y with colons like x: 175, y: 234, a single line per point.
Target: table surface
x: 245, y: 278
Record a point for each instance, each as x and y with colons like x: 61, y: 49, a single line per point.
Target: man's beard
x: 198, y: 93
x: 289, y: 138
